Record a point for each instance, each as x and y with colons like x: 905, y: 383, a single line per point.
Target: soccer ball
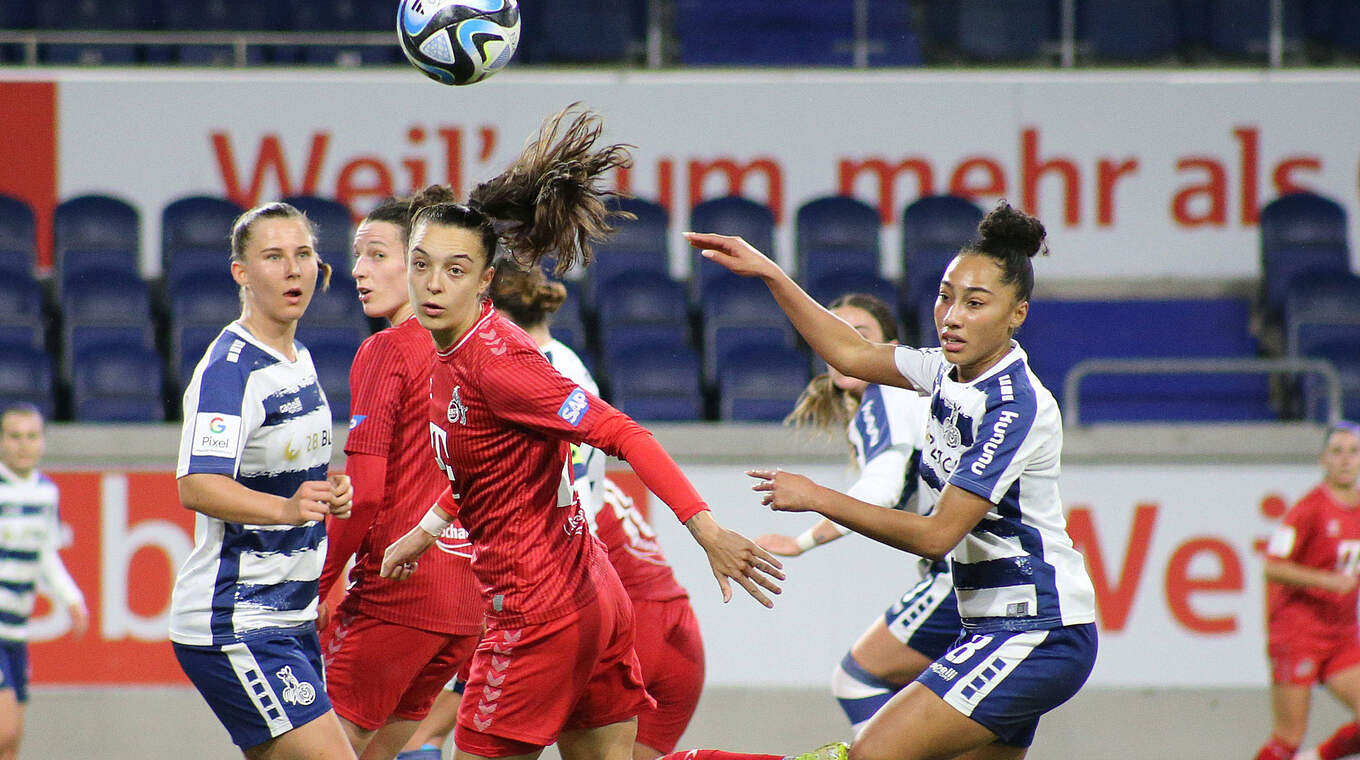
x: 458, y: 41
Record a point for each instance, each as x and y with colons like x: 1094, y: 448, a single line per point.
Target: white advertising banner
x: 1173, y: 551
x: 1138, y: 175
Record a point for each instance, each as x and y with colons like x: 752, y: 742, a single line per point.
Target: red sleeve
x: 376, y: 380
x: 526, y: 390
x: 1301, y: 519
x: 368, y: 477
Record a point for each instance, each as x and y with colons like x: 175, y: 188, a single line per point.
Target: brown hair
x: 549, y: 202
x: 395, y: 211
x: 822, y: 405
x: 245, y: 223
x: 526, y: 294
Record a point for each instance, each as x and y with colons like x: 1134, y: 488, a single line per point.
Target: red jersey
x: 1320, y: 533
x: 501, y: 423
x: 389, y: 384
x: 633, y: 550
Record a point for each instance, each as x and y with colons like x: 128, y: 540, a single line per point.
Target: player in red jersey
x: 557, y: 660
x: 392, y: 646
x: 1312, y: 563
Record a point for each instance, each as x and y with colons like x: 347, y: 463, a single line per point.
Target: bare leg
x: 918, y: 725
x: 880, y: 653
x: 11, y: 724
x: 386, y: 742
x: 612, y: 742
x: 321, y: 739
x: 437, y: 726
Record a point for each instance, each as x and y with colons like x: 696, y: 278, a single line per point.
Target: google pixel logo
x: 217, y: 425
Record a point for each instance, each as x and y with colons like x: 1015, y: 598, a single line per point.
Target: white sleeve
x: 52, y: 573
x: 919, y: 366
x: 882, y: 479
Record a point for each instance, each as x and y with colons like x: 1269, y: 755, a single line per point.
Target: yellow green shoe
x: 832, y: 751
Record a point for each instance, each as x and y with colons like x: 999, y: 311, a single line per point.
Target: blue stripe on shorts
x: 1007, y: 680
x: 926, y: 618
x: 261, y: 688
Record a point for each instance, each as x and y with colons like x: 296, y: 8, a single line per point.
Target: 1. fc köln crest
x: 457, y: 412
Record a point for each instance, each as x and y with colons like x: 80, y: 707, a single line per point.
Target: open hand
x: 734, y: 557
x: 734, y: 253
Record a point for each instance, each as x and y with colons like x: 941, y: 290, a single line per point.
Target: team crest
x: 457, y: 412
x: 295, y: 692
x: 952, y: 437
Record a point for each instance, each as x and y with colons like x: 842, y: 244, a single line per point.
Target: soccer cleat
x: 424, y: 753
x: 832, y: 751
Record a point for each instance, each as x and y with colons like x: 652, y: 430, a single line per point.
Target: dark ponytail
x: 1011, y: 238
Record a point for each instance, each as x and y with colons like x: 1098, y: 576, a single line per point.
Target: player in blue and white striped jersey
x: 29, y: 536
x: 991, y: 462
x: 253, y: 459
x: 886, y: 427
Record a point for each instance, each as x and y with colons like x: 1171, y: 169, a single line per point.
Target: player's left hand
x: 80, y: 619
x: 399, y: 561
x: 342, y: 496
x: 734, y: 557
x: 785, y: 491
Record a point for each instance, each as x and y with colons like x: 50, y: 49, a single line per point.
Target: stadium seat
x: 111, y: 15
x: 1344, y: 27
x: 1321, y: 308
x: 836, y: 233
x: 568, y: 324
x: 334, y: 228
x: 332, y: 351
x: 17, y: 228
x: 892, y: 38
x: 833, y: 285
x: 1345, y: 358
x: 1005, y: 30
x: 637, y: 245
x: 729, y: 215
x: 717, y: 32
x: 642, y: 300
x: 187, y: 346
x: 341, y: 15
x: 727, y: 344
x: 337, y: 306
x: 114, y: 382
x: 77, y: 262
x: 98, y: 230
x: 1300, y: 234
x: 197, y: 222
x: 656, y: 382
x: 26, y: 376
x: 1238, y: 29
x: 205, y: 302
x: 198, y: 264
x: 763, y: 386
x: 934, y: 229
x: 583, y: 31
x: 739, y: 312
x: 1129, y: 30
x: 21, y: 307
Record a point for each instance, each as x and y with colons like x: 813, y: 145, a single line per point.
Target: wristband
x: 806, y: 540
x: 433, y: 524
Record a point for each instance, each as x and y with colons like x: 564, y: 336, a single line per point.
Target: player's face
x: 380, y: 269
x: 975, y: 314
x: 1341, y: 459
x: 278, y: 270
x: 448, y: 274
x: 21, y: 441
x: 866, y: 325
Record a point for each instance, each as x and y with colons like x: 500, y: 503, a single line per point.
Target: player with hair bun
x: 392, y: 646
x: 253, y: 463
x: 556, y: 663
x: 990, y: 465
x: 886, y: 427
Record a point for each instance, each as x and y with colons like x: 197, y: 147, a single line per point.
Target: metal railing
x: 1297, y: 366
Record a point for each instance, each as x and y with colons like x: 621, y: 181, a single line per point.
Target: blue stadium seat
x: 197, y: 221
x: 836, y: 233
x: 934, y: 228
x: 77, y: 262
x: 763, y: 386
x: 17, y: 227
x: 718, y: 32
x: 636, y: 245
x: 21, y: 309
x: 738, y: 312
x: 1058, y: 334
x: 90, y: 14
x: 1344, y: 27
x: 567, y: 323
x: 187, y: 346
x: 1129, y: 30
x: 336, y: 307
x: 892, y: 38
x: 729, y: 215
x: 198, y: 264
x: 332, y: 351
x: 582, y: 31
x: 614, y: 337
x: 26, y: 376
x: 105, y: 228
x: 656, y: 382
x: 833, y: 285
x: 334, y: 234
x: 1239, y: 29
x: 728, y: 344
x: 638, y: 299
x: 1005, y: 30
x: 205, y: 302
x: 114, y: 382
x: 1345, y: 358
x: 1301, y: 235
x: 341, y: 15
x: 1321, y: 308
x: 18, y: 14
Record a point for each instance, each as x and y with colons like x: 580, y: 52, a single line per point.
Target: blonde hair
x: 245, y: 223
x: 822, y: 405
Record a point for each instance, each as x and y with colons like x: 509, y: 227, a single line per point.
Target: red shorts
x: 528, y: 684
x: 672, y: 655
x: 377, y: 670
x: 1307, y: 663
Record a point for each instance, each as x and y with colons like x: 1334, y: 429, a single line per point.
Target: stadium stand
x: 934, y: 228
x: 1128, y: 30
x: 1301, y: 234
x: 730, y: 215
x: 94, y: 232
x: 17, y: 232
x: 661, y: 383
x: 761, y: 384
x: 117, y: 383
x: 988, y: 29
x: 637, y: 245
x: 836, y: 235
x: 26, y: 376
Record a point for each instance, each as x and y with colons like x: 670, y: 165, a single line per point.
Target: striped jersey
x: 389, y: 384
x: 1000, y: 437
x: 29, y: 534
x: 887, y: 433
x: 253, y: 415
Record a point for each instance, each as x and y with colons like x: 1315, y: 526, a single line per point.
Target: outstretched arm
x: 824, y: 532
x: 830, y: 336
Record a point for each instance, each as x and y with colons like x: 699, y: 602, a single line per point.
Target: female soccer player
x: 667, y: 640
x: 557, y: 660
x: 1312, y: 564
x: 393, y: 645
x: 886, y: 428
x: 252, y: 463
x: 990, y: 466
x: 30, y: 537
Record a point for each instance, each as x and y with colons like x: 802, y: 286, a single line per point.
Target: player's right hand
x: 784, y: 546
x: 399, y: 561
x: 311, y: 502
x: 734, y: 253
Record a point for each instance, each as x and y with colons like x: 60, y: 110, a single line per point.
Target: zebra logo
x: 295, y: 692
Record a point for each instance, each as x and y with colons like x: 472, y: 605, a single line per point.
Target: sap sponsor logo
x: 216, y: 435
x: 943, y: 671
x: 990, y: 446
x: 871, y: 430
x: 357, y: 420
x: 1007, y: 391
x: 575, y: 407
x: 292, y: 407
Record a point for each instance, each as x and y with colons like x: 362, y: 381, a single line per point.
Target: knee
x: 868, y: 747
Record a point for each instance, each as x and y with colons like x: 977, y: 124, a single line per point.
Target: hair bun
x: 432, y: 196
x: 1007, y: 228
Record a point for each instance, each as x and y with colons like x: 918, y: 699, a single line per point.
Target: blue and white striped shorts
x: 1007, y: 680
x: 260, y: 688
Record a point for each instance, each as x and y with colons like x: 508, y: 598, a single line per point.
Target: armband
x: 433, y: 524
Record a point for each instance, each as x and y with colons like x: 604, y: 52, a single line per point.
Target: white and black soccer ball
x: 458, y: 41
